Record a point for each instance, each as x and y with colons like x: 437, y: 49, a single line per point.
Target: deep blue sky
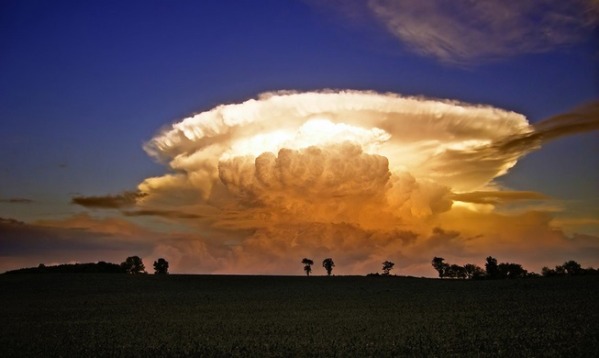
x: 83, y: 84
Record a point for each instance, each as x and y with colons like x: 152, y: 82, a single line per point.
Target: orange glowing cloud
x: 360, y: 176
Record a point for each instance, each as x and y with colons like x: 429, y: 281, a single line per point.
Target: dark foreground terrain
x: 178, y: 315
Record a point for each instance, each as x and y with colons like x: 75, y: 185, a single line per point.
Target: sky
x: 238, y: 137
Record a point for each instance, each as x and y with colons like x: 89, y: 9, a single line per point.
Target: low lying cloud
x: 460, y: 32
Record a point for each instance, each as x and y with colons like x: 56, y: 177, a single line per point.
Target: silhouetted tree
x: 440, y: 266
x: 547, y: 272
x: 491, y: 267
x: 449, y: 272
x: 328, y: 265
x: 569, y: 268
x: 572, y: 268
x: 510, y: 270
x: 560, y: 270
x: 473, y: 271
x: 307, y: 265
x: 456, y: 271
x: 161, y: 267
x: 387, y: 267
x: 133, y: 265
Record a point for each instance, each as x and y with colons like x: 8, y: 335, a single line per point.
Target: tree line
x: 493, y: 270
x: 505, y: 270
x: 132, y: 265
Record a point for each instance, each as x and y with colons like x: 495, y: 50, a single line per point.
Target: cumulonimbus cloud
x: 353, y: 174
x: 462, y: 31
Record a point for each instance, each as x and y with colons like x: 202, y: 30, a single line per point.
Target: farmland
x: 195, y: 315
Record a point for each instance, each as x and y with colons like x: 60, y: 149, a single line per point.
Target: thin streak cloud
x: 17, y: 201
x: 497, y: 197
x: 161, y: 213
x: 125, y: 199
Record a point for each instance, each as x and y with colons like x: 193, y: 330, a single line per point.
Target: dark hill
x: 100, y: 267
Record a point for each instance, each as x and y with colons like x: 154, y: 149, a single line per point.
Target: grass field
x: 181, y: 315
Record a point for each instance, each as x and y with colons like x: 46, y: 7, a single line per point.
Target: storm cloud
x: 341, y: 173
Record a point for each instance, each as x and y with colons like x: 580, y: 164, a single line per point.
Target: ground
x: 197, y: 315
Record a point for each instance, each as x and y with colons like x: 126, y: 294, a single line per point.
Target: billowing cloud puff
x: 323, y: 172
x: 463, y: 31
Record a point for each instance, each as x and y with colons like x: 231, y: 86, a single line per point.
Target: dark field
x: 178, y: 315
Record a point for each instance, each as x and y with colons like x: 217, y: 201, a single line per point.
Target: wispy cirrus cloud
x: 463, y: 32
